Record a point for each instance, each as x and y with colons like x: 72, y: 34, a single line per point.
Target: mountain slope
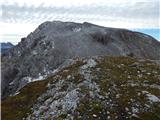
x: 92, y: 88
x: 43, y: 50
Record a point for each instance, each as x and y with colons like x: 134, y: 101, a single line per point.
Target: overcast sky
x: 20, y: 17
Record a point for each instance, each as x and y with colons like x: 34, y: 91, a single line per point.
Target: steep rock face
x: 54, y: 42
x: 96, y: 88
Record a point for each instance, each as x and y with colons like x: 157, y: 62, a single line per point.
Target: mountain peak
x: 52, y: 43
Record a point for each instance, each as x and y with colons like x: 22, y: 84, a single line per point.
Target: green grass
x: 113, y: 71
x: 17, y: 107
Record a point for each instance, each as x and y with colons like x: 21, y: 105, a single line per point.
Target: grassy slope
x: 17, y: 107
x: 113, y: 71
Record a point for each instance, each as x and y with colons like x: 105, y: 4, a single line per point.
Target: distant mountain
x: 6, y: 46
x: 53, y: 43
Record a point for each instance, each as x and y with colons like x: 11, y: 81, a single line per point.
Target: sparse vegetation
x: 113, y: 90
x: 18, y: 106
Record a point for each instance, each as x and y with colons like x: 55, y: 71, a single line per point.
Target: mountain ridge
x: 92, y: 88
x: 43, y: 50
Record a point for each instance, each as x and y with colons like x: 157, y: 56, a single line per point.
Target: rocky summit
x: 66, y: 70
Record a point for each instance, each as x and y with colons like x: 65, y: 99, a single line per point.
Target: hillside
x: 93, y: 88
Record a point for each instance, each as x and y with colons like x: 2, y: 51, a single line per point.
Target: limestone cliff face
x: 43, y: 50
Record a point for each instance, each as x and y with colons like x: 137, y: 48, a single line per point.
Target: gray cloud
x: 126, y: 13
x: 138, y: 11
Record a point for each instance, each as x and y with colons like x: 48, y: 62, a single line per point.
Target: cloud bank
x: 25, y: 16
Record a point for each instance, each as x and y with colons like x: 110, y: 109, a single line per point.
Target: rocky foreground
x: 93, y: 88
